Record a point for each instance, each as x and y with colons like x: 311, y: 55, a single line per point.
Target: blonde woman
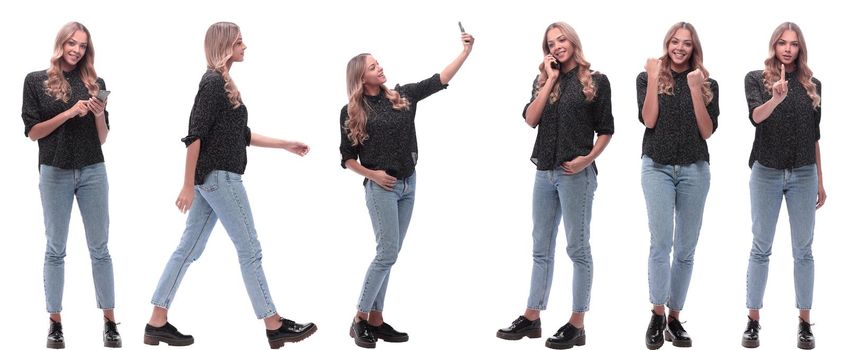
x: 784, y: 104
x: 570, y: 104
x: 61, y: 112
x: 212, y: 190
x: 378, y: 142
x: 678, y: 104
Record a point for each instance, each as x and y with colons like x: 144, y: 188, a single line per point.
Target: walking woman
x: 61, y: 111
x: 784, y: 104
x: 378, y: 142
x: 678, y: 104
x: 217, y: 139
x: 570, y: 104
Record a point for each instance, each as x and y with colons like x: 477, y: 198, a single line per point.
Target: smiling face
x: 786, y: 49
x: 559, y: 46
x: 73, y: 50
x: 373, y: 76
x: 679, y: 49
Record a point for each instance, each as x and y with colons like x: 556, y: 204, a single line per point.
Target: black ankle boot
x: 55, y: 338
x: 289, y: 332
x: 675, y: 333
x: 111, y: 337
x: 751, y: 337
x: 654, y: 335
x: 806, y: 340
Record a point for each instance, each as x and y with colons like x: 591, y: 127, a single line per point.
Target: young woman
x: 217, y: 139
x: 784, y: 104
x: 378, y: 142
x: 61, y: 112
x: 570, y: 104
x: 678, y: 104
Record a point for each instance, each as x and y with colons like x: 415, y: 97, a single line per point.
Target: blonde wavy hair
x: 56, y: 85
x: 220, y: 38
x: 583, y: 72
x: 696, y: 61
x: 771, y: 73
x: 358, y: 108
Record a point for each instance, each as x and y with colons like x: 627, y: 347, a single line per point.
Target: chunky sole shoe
x: 579, y: 341
x: 807, y: 345
x: 680, y: 343
x: 533, y: 333
x: 55, y: 344
x: 278, y: 343
x: 154, y: 340
x: 361, y: 343
x: 748, y: 343
x: 112, y: 344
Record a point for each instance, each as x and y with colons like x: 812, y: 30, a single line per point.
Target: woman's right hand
x: 79, y: 109
x: 384, y: 180
x: 185, y: 199
x: 652, y: 67
x: 552, y: 73
x: 781, y: 87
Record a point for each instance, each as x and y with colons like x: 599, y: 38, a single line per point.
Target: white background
x: 465, y: 268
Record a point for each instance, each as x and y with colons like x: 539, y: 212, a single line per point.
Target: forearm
x: 762, y: 112
x: 600, y: 144
x: 102, y: 129
x: 702, y: 117
x: 449, y: 71
x: 192, y: 152
x: 260, y: 140
x: 534, y: 112
x: 46, y: 127
x: 819, y: 165
x: 354, y: 165
x: 650, y: 108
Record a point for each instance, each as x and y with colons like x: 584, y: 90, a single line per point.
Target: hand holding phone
x: 102, y: 95
x: 555, y: 65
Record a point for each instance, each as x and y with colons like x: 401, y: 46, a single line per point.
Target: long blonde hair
x: 583, y: 72
x: 696, y: 61
x: 771, y: 73
x: 220, y: 38
x: 56, y: 85
x: 357, y: 107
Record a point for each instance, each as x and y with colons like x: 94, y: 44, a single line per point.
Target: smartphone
x: 461, y: 28
x: 555, y: 65
x: 102, y: 95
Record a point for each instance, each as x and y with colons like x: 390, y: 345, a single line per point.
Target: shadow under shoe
x: 55, y: 337
x: 806, y: 340
x: 363, y: 334
x: 167, y: 334
x: 520, y: 328
x: 388, y: 334
x: 111, y: 337
x: 654, y: 336
x: 289, y: 332
x: 751, y: 337
x: 675, y: 333
x: 566, y: 337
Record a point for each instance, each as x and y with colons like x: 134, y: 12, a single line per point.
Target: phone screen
x: 103, y: 94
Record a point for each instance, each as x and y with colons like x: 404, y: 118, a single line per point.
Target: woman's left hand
x: 97, y: 107
x: 298, y: 148
x: 467, y: 42
x: 822, y: 196
x: 576, y: 165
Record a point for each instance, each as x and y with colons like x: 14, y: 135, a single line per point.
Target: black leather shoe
x: 389, y: 334
x: 806, y: 340
x: 520, y: 328
x: 675, y: 333
x: 111, y: 337
x: 289, y: 332
x: 751, y: 337
x: 566, y: 337
x: 55, y: 338
x: 363, y: 334
x: 167, y: 334
x: 654, y: 335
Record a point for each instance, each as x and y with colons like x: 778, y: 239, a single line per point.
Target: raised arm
x: 449, y: 71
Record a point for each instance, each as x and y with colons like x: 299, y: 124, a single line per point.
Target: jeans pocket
x: 211, y: 182
x: 233, y: 177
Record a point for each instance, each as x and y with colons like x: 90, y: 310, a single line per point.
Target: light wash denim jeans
x: 221, y: 196
x: 390, y: 213
x: 768, y: 188
x: 675, y: 197
x: 557, y: 195
x: 91, y: 188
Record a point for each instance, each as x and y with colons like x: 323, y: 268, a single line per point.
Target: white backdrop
x: 465, y: 268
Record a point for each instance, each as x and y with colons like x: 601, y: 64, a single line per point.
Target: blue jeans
x: 675, y: 197
x: 221, y: 196
x: 768, y: 187
x: 390, y: 214
x: 557, y: 195
x: 58, y: 188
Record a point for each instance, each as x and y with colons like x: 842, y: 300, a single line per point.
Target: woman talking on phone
x: 784, y: 104
x: 61, y: 112
x: 378, y: 142
x: 678, y: 104
x: 569, y: 104
x: 212, y: 190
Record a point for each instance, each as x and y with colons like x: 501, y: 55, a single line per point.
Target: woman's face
x: 680, y: 49
x: 373, y: 76
x: 559, y: 46
x: 787, y: 47
x: 238, y: 50
x: 73, y: 50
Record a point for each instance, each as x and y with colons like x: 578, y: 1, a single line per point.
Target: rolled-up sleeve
x: 754, y: 93
x: 210, y: 100
x: 712, y: 108
x: 346, y: 147
x: 30, y: 111
x: 602, y: 107
x: 641, y: 93
x: 415, y: 92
